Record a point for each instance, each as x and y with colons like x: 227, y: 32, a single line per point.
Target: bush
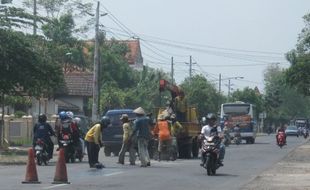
x: 19, y: 114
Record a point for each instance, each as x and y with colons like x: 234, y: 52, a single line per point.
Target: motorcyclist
x: 281, y: 129
x: 75, y: 129
x: 226, y: 132
x: 43, y: 130
x: 64, y: 127
x: 211, y: 129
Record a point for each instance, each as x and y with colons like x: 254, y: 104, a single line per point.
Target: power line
x: 207, y: 46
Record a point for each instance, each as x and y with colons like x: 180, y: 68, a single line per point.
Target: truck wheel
x: 195, y: 148
x: 252, y: 141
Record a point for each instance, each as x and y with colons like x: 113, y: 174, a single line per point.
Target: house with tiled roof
x: 78, y: 85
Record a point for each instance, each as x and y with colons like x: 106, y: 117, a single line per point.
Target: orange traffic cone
x: 61, y: 169
x: 31, y: 172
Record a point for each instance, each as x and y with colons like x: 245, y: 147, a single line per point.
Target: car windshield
x: 292, y: 127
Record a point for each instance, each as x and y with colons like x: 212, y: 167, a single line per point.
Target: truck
x: 188, y: 145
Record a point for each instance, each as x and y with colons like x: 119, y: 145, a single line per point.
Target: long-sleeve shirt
x: 162, y: 129
x: 176, y: 127
x: 181, y: 104
x: 141, y: 127
x: 94, y: 134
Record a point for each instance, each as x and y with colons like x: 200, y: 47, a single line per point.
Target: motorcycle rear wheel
x: 39, y: 162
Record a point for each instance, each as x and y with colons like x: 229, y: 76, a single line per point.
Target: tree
x: 201, y: 93
x: 15, y: 17
x: 23, y: 68
x: 282, y: 102
x: 66, y: 50
x: 298, y: 75
x: 249, y: 95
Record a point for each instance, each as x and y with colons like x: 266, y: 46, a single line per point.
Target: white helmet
x: 70, y: 114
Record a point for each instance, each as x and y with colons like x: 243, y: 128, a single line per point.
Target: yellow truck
x: 187, y: 139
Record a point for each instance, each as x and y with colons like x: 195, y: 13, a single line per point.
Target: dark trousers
x: 181, y: 116
x: 92, y: 153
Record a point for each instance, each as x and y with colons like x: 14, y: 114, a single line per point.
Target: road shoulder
x: 292, y: 172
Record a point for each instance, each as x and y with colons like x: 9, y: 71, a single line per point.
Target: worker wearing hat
x: 128, y: 143
x: 143, y: 134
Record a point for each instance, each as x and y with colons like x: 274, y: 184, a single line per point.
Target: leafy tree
x: 15, y: 17
x: 66, y: 50
x: 201, y: 93
x: 249, y: 95
x: 298, y: 75
x: 23, y: 68
x: 282, y: 102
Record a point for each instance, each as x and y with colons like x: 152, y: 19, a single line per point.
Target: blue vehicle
x: 112, y: 136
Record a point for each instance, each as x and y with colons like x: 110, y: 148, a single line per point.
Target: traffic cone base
x: 31, y: 171
x: 61, y: 169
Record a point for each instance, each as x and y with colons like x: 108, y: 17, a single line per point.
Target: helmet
x: 105, y: 121
x: 211, y: 116
x: 42, y: 118
x: 77, y: 119
x: 70, y: 114
x: 63, y: 115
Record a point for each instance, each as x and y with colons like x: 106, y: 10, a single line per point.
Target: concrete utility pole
x: 172, y: 70
x: 229, y: 89
x: 96, y: 69
x: 190, y: 66
x: 220, y: 83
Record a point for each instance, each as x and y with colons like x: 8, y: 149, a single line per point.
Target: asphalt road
x: 241, y: 165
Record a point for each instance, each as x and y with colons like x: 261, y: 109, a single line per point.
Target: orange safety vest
x: 162, y: 129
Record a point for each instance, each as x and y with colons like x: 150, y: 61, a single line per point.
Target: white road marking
x: 54, y: 186
x: 111, y: 174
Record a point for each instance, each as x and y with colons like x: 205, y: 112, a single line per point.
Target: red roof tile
x: 79, y: 83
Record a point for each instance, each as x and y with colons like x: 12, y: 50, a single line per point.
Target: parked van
x: 112, y: 136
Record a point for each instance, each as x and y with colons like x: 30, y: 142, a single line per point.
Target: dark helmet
x: 211, y: 116
x: 42, y: 118
x: 105, y: 121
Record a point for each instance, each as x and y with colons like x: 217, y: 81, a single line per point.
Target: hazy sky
x: 220, y: 28
x: 237, y: 38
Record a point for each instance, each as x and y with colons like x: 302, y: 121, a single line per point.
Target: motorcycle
x: 79, y: 150
x: 237, y: 138
x: 67, y: 144
x: 210, y: 154
x: 305, y: 132
x: 281, y: 139
x: 227, y: 139
x: 40, y: 152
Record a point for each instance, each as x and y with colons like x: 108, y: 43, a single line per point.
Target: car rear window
x: 115, y: 118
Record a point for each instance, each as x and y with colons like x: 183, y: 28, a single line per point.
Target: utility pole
x: 220, y: 83
x: 172, y: 70
x: 96, y: 68
x: 35, y: 19
x: 228, y: 89
x: 190, y: 67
